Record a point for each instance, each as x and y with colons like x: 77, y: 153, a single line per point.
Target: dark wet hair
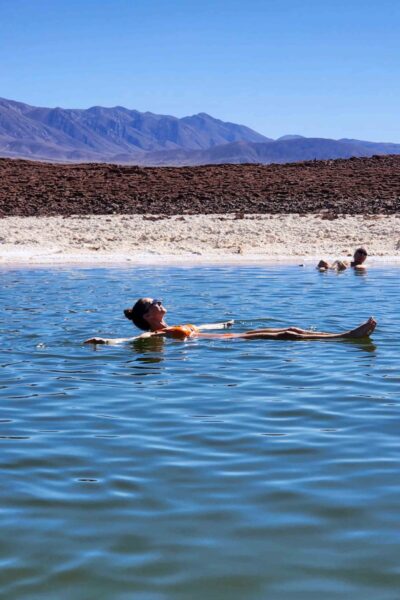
x: 136, y: 314
x: 361, y: 250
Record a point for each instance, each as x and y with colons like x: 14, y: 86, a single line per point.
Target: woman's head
x: 147, y: 314
x: 360, y: 256
x: 323, y: 265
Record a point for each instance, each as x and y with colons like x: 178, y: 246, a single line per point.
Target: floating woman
x: 148, y: 315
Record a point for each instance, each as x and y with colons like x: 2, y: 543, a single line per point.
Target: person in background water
x: 149, y: 316
x: 360, y: 256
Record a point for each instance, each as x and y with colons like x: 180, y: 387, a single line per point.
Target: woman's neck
x: 157, y: 325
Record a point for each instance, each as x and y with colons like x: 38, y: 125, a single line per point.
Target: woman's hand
x: 97, y: 340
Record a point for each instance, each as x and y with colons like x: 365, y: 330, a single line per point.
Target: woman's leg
x: 276, y: 330
x: 359, y: 332
x: 284, y: 329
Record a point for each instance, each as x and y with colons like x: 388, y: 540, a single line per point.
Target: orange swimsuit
x: 180, y: 332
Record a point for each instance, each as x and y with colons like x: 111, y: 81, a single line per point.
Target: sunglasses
x: 156, y: 302
x: 362, y: 252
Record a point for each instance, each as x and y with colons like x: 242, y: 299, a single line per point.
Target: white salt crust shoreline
x: 195, y: 239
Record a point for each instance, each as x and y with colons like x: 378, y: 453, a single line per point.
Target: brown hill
x: 352, y: 186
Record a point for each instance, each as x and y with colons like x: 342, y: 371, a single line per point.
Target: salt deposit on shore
x: 194, y: 239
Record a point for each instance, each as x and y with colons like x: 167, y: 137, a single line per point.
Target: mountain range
x: 120, y: 135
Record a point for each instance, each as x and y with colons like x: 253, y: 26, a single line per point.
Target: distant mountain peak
x: 204, y: 115
x: 101, y: 134
x: 284, y: 138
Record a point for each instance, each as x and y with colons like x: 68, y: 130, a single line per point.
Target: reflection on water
x: 366, y: 344
x: 154, y: 346
x: 199, y: 469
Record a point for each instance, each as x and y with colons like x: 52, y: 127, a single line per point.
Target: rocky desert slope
x: 352, y: 186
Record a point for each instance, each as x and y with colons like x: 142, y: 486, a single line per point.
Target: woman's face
x: 156, y: 311
x: 360, y: 256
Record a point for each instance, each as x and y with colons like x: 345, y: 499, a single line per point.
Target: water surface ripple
x: 199, y: 469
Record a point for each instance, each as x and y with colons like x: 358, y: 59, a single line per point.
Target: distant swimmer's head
x: 147, y: 314
x: 323, y: 265
x: 360, y: 256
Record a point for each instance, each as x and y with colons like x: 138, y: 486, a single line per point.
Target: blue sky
x: 316, y: 68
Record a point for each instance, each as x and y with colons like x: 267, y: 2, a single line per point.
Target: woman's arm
x: 208, y: 326
x: 147, y: 334
x: 116, y: 341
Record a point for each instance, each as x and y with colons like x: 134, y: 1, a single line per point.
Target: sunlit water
x: 204, y: 469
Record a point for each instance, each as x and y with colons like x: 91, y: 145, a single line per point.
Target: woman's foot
x: 363, y: 330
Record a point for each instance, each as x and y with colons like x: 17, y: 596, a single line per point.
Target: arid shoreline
x: 101, y: 213
x: 194, y: 239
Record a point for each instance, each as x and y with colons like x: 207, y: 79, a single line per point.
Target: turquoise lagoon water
x: 199, y: 469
